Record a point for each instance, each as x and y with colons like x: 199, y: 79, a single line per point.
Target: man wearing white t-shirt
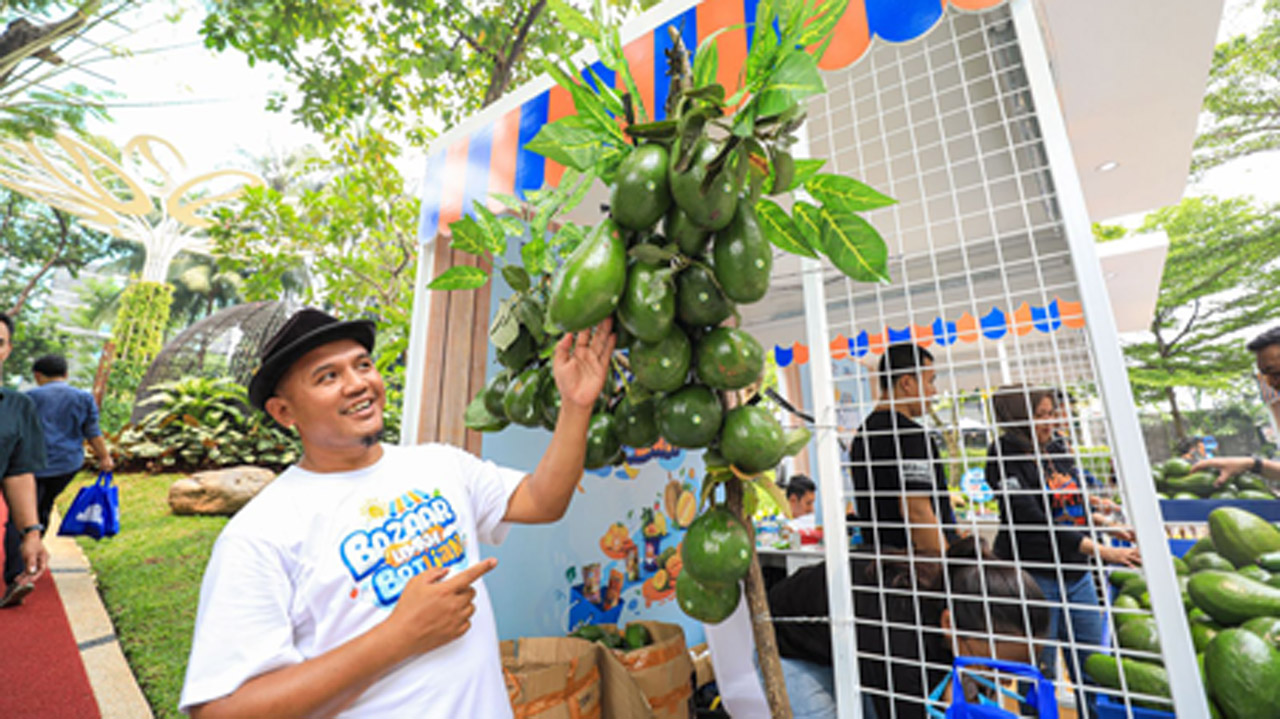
x: 350, y: 586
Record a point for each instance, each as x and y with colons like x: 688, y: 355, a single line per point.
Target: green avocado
x: 1243, y: 672
x: 521, y: 401
x: 751, y: 439
x: 728, y: 358
x: 742, y: 258
x: 690, y: 417
x: 1176, y: 468
x: 1209, y: 560
x: 1231, y: 598
x: 1140, y: 634
x: 1141, y: 677
x: 707, y: 603
x: 587, y: 287
x: 1242, y: 536
x: 662, y: 366
x: 688, y: 236
x: 519, y: 352
x: 1200, y: 484
x: 699, y: 301
x: 717, y: 548
x: 641, y: 193
x: 637, y: 636
x: 602, y: 442
x: 713, y: 209
x: 1266, y: 627
x: 634, y: 423
x: 648, y: 306
x: 495, y: 390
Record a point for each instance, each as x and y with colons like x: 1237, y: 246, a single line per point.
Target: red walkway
x: 42, y: 674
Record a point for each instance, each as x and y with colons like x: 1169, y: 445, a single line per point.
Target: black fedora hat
x: 306, y: 330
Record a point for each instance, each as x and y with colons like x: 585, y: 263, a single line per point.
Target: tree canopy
x: 1219, y: 283
x: 417, y: 65
x: 1242, y: 101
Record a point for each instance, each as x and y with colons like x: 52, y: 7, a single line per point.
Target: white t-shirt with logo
x: 318, y: 559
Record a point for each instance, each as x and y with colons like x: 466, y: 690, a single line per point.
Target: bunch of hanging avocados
x: 688, y: 238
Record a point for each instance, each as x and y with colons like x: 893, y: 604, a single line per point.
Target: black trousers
x: 47, y: 491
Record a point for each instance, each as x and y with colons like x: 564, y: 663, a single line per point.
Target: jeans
x: 1084, y: 626
x: 812, y: 691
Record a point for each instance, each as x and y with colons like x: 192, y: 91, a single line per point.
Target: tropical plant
x: 200, y: 423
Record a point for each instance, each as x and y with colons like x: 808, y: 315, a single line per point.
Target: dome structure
x: 227, y: 343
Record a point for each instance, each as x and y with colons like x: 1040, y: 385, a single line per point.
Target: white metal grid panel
x: 946, y: 125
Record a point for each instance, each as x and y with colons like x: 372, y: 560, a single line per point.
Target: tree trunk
x: 104, y: 372
x: 775, y: 687
x: 1179, y: 429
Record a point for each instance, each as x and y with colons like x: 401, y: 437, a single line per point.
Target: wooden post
x: 104, y: 371
x: 775, y: 686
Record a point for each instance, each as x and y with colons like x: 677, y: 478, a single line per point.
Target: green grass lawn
x: 149, y: 577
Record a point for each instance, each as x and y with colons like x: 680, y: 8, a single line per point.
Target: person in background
x: 22, y: 454
x: 898, y: 612
x: 1192, y: 449
x: 801, y: 495
x: 1062, y: 457
x: 898, y: 477
x: 69, y: 416
x: 351, y: 585
x: 1044, y: 521
x: 1266, y: 353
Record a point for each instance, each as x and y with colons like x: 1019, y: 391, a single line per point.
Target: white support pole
x: 418, y: 329
x: 1131, y: 459
x: 844, y: 662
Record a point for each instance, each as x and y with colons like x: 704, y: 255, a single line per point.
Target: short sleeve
x: 490, y: 488
x: 243, y: 628
x: 89, y: 428
x: 29, y: 452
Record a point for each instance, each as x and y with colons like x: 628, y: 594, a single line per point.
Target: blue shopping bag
x: 95, y: 512
x: 1040, y: 695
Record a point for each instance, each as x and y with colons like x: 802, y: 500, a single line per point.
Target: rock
x: 218, y: 491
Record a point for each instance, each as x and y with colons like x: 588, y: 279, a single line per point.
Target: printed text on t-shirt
x: 421, y: 537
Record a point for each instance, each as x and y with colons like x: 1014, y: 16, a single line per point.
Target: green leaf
x: 845, y: 193
x: 460, y: 277
x: 534, y: 255
x: 823, y: 22
x: 591, y: 109
x: 793, y: 80
x: 854, y: 246
x: 513, y: 203
x: 517, y: 279
x: 808, y: 219
x: 712, y: 93
x: 611, y: 101
x: 533, y: 317
x: 805, y: 169
x: 780, y: 230
x: 570, y: 142
x: 574, y: 21
x: 497, y: 234
x: 765, y: 483
x: 795, y: 441
x: 469, y: 237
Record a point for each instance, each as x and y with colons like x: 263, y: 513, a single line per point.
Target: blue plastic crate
x: 1109, y: 708
x: 1180, y: 547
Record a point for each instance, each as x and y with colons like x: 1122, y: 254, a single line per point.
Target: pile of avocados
x: 1231, y: 592
x: 1175, y: 480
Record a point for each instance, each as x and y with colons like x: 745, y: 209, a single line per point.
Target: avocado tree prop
x: 691, y: 226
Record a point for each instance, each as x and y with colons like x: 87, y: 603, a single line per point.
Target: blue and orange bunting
x: 994, y: 325
x: 488, y: 155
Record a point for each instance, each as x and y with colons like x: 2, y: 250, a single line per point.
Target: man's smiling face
x: 334, y: 395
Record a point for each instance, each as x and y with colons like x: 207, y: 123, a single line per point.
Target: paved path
x: 113, y: 682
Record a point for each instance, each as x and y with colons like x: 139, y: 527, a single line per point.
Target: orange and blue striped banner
x: 994, y: 325
x: 465, y: 167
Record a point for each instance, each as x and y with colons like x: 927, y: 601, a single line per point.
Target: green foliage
x: 200, y: 423
x: 1107, y: 233
x: 352, y: 238
x: 409, y: 63
x: 1240, y: 101
x: 140, y: 324
x: 149, y: 578
x: 35, y: 240
x: 1219, y: 281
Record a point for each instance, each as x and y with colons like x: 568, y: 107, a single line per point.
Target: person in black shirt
x: 22, y: 453
x: 902, y: 606
x: 1045, y: 523
x: 896, y: 466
